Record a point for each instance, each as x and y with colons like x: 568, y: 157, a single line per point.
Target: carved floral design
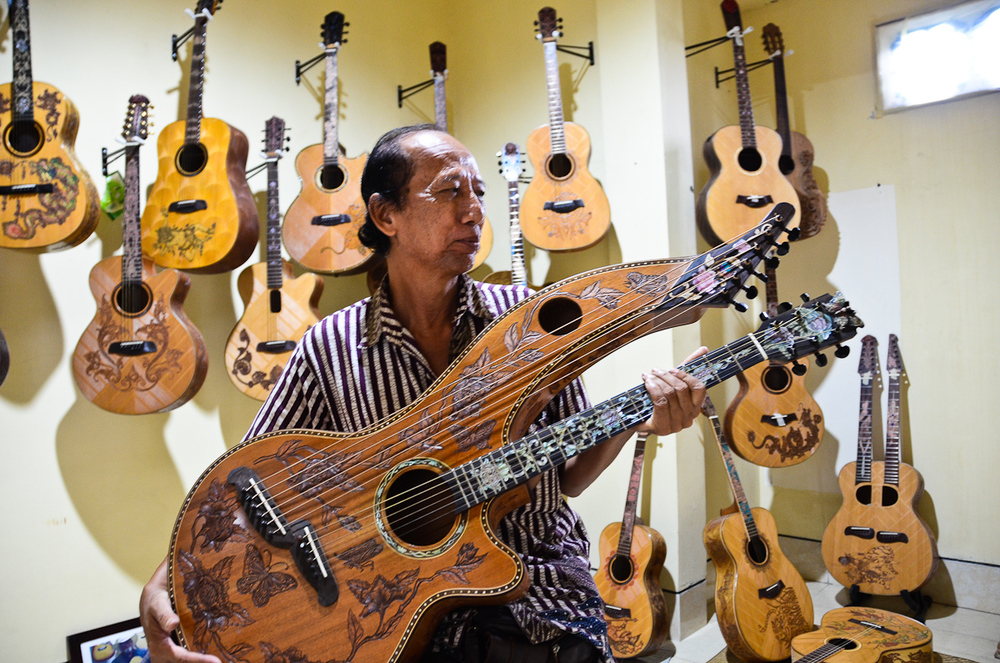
x: 243, y: 366
x: 207, y: 593
x: 186, y: 242
x: 360, y: 556
x: 478, y: 436
x: 606, y: 297
x: 474, y: 384
x: 874, y: 566
x: 216, y: 520
x: 49, y: 101
x: 261, y: 579
x: 797, y: 441
x: 56, y: 207
x: 784, y: 617
x: 623, y: 641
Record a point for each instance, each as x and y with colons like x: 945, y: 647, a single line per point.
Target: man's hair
x: 387, y: 173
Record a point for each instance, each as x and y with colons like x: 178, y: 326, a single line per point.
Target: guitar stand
x: 857, y: 596
x: 406, y: 92
x: 918, y: 603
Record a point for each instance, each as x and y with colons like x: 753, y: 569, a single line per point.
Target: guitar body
x: 252, y: 371
x: 69, y: 213
x: 223, y: 235
x: 571, y: 230
x: 154, y: 382
x: 758, y: 618
x: 812, y: 202
x: 720, y: 216
x: 902, y: 640
x: 880, y: 567
x: 773, y: 421
x: 636, y: 612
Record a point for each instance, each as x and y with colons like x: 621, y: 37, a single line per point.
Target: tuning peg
x: 798, y: 369
x: 794, y: 233
x: 739, y: 306
x: 784, y: 307
x: 343, y: 41
x: 772, y: 262
x: 782, y: 249
x: 536, y: 22
x: 346, y: 23
x: 288, y: 149
x: 841, y: 351
x: 804, y: 297
x: 821, y: 359
x: 764, y: 317
x: 751, y: 291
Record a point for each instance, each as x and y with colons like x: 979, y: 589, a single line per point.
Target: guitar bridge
x: 330, y: 220
x: 754, y: 201
x: 275, y: 347
x: 860, y: 532
x: 892, y: 537
x: 778, y: 420
x: 25, y: 189
x: 187, y: 206
x: 772, y: 591
x: 132, y: 348
x: 563, y: 206
x: 614, y: 612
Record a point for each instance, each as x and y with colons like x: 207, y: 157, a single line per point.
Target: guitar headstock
x: 893, y: 359
x: 549, y: 27
x: 731, y: 13
x: 136, y: 119
x: 211, y: 6
x: 439, y: 59
x: 868, y: 363
x: 510, y: 162
x: 774, y: 44
x: 819, y: 323
x: 333, y: 30
x: 274, y: 137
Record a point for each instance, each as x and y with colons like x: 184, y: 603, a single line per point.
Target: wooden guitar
x: 279, y: 308
x: 865, y: 635
x: 321, y: 225
x: 564, y: 207
x: 760, y: 598
x: 774, y: 421
x: 510, y: 168
x: 743, y: 160
x: 140, y: 354
x: 628, y: 579
x: 47, y: 201
x: 877, y: 540
x: 797, y: 153
x: 330, y: 517
x: 200, y: 215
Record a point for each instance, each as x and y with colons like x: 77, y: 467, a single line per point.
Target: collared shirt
x: 360, y: 364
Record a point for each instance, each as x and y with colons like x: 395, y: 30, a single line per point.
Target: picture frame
x: 107, y: 644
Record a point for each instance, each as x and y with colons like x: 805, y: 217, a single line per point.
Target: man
x: 425, y: 211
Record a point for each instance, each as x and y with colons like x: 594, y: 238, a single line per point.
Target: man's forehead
x: 450, y: 158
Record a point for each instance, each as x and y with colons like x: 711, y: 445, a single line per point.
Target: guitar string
x: 835, y: 647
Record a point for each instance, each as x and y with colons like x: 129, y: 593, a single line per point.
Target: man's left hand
x: 676, y: 396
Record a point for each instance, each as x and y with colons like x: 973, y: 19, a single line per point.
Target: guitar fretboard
x: 863, y: 467
x: 192, y: 129
x: 821, y: 653
x: 23, y: 105
x: 628, y: 519
x: 894, y: 367
x: 781, y: 105
x: 440, y: 105
x: 747, y: 132
x: 734, y: 479
x: 331, y: 109
x: 131, y: 229
x: 274, y: 263
x: 557, y: 133
x: 518, y: 275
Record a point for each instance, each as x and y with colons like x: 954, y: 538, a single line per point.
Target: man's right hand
x: 159, y: 620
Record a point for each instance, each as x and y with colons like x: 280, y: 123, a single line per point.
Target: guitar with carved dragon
x: 279, y: 308
x: 760, y: 598
x: 47, y: 200
x: 628, y: 578
x: 865, y: 635
x: 200, y: 215
x: 743, y: 160
x: 877, y: 539
x: 564, y: 207
x: 510, y: 168
x: 140, y: 354
x: 774, y: 421
x: 797, y: 152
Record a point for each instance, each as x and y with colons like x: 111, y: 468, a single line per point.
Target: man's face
x: 441, y: 217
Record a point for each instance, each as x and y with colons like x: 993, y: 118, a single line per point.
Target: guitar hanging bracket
x: 585, y: 52
x: 407, y: 92
x: 176, y: 41
x: 703, y: 46
x: 301, y: 68
x: 111, y: 157
x: 720, y: 76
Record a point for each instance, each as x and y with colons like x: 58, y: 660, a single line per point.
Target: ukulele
x: 774, y: 421
x: 200, y: 215
x: 628, y: 579
x: 564, y: 207
x: 865, y: 635
x: 375, y: 535
x: 877, y: 540
x: 140, y: 354
x: 760, y: 598
x: 279, y: 308
x: 510, y: 168
x: 797, y: 151
x: 743, y: 161
x: 322, y: 223
x: 47, y: 200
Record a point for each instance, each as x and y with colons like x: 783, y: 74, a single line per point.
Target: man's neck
x: 426, y: 305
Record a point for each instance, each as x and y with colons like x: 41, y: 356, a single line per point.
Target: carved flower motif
x: 207, y: 595
x: 217, y: 519
x: 378, y: 595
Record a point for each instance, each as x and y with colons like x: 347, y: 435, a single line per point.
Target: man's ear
x: 382, y: 213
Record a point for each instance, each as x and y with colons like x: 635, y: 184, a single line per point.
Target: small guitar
x: 877, y: 540
x: 797, y: 151
x: 564, y: 207
x: 774, y: 421
x: 140, y: 354
x: 628, y: 579
x: 47, y: 201
x: 865, y: 635
x: 743, y: 161
x: 321, y: 225
x: 279, y: 308
x: 510, y: 168
x: 760, y: 598
x: 200, y: 215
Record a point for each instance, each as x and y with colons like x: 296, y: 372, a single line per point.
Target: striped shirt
x: 360, y: 364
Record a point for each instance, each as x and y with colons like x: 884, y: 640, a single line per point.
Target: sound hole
x: 560, y: 315
x: 559, y: 166
x: 332, y: 177
x: 750, y: 160
x: 418, y: 508
x: 786, y: 164
x: 132, y: 299
x: 864, y: 494
x: 24, y: 138
x: 191, y: 159
x: 757, y: 550
x: 889, y: 496
x: 777, y: 379
x: 620, y: 569
x: 843, y: 643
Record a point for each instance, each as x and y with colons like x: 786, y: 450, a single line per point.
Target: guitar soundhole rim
x: 889, y: 496
x: 750, y: 159
x: 844, y: 644
x: 621, y: 569
x: 757, y: 550
x: 331, y: 177
x: 864, y: 494
x: 191, y: 159
x: 777, y: 379
x: 395, y: 517
x: 21, y: 132
x: 560, y: 166
x: 560, y: 315
x: 138, y: 300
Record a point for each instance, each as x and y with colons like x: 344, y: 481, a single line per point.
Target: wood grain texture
x: 812, y: 201
x: 149, y: 383
x: 46, y: 221
x: 908, y: 642
x: 580, y: 228
x: 254, y: 372
x: 756, y: 629
x: 222, y: 236
x: 719, y: 216
x: 646, y: 627
x: 877, y: 567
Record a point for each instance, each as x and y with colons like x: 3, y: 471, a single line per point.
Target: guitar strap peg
x: 798, y: 369
x: 842, y: 351
x: 739, y: 306
x: 821, y: 359
x: 751, y: 291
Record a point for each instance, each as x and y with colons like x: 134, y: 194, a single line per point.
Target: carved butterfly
x: 259, y: 580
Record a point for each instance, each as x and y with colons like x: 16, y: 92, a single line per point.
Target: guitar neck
x: 557, y: 134
x: 892, y: 449
x: 331, y: 110
x: 192, y: 130
x: 518, y: 274
x: 734, y: 479
x: 821, y: 653
x: 771, y: 290
x: 747, y: 132
x: 632, y: 497
x: 23, y: 111
x: 440, y: 107
x: 132, y: 232
x: 781, y: 105
x: 274, y: 262
x: 863, y: 467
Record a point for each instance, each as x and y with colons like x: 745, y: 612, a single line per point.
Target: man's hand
x: 676, y: 396
x: 159, y: 620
